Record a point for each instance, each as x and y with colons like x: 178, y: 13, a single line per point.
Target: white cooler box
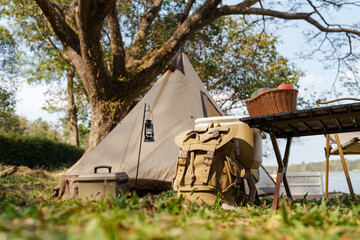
x: 95, y: 186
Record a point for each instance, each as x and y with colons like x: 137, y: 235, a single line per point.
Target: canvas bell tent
x: 176, y: 100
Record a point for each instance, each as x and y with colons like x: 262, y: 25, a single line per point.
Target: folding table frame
x: 343, y: 162
x: 308, y: 122
x: 340, y: 151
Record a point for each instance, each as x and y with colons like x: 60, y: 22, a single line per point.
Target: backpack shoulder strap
x: 181, y: 165
x: 208, y: 162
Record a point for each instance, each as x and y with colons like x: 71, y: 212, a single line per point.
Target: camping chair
x: 346, y: 144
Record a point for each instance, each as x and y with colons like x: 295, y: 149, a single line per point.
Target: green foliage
x: 14, y: 124
x: 84, y: 132
x: 27, y: 216
x: 7, y: 106
x: 168, y: 19
x: 7, y: 83
x: 42, y: 129
x: 43, y: 60
x: 37, y: 152
x: 8, y: 57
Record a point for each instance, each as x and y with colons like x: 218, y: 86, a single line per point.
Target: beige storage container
x: 250, y: 139
x: 95, y: 186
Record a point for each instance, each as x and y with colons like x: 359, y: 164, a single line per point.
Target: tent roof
x: 177, y: 62
x: 176, y: 100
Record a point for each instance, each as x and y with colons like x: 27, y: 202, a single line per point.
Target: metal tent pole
x: 141, y: 135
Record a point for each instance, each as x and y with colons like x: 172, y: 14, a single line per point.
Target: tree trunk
x: 105, y: 115
x: 109, y: 99
x: 74, y: 133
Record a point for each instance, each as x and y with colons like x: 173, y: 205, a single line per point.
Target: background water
x: 337, y: 182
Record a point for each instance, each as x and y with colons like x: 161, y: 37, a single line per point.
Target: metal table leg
x: 251, y: 183
x: 327, y: 153
x: 282, y: 168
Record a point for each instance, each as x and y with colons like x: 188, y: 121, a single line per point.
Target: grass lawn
x: 27, y: 211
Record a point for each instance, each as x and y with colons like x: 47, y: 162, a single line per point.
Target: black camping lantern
x: 149, y: 136
x: 149, y: 131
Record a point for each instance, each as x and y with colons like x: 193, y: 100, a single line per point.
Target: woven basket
x: 273, y: 101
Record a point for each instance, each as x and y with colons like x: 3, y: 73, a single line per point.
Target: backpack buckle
x: 215, y: 133
x: 183, y: 153
x: 182, y: 158
x: 207, y: 164
x: 208, y: 160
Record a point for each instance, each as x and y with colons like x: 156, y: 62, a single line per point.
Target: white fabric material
x: 265, y: 180
x: 224, y: 120
x: 175, y: 102
x: 344, y: 137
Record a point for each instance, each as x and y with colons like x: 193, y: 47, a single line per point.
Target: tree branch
x: 66, y: 35
x: 187, y: 10
x: 47, y: 37
x: 243, y: 5
x: 117, y: 45
x: 65, y: 59
x: 315, y: 9
x: 153, y: 61
x: 145, y: 23
x: 188, y: 27
x: 339, y: 4
x: 228, y: 10
x: 92, y: 13
x: 89, y: 17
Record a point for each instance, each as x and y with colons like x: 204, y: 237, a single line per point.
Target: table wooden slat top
x: 307, y: 122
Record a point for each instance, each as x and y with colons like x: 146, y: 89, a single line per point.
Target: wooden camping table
x: 308, y: 122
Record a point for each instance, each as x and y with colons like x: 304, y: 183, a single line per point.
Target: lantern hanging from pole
x: 149, y: 131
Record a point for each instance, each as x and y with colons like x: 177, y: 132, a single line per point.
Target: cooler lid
x: 223, y: 120
x: 115, y: 176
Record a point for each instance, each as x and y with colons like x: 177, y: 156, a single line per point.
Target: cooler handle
x: 102, y: 166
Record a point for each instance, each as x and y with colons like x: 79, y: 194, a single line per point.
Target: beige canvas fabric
x: 346, y: 140
x: 344, y: 137
x: 176, y: 100
x: 207, y: 165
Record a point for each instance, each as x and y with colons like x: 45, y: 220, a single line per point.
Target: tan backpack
x: 207, y: 165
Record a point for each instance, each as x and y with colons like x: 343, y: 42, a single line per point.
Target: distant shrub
x: 37, y: 152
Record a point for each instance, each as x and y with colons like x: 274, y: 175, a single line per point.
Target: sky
x: 31, y: 99
x: 306, y: 149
